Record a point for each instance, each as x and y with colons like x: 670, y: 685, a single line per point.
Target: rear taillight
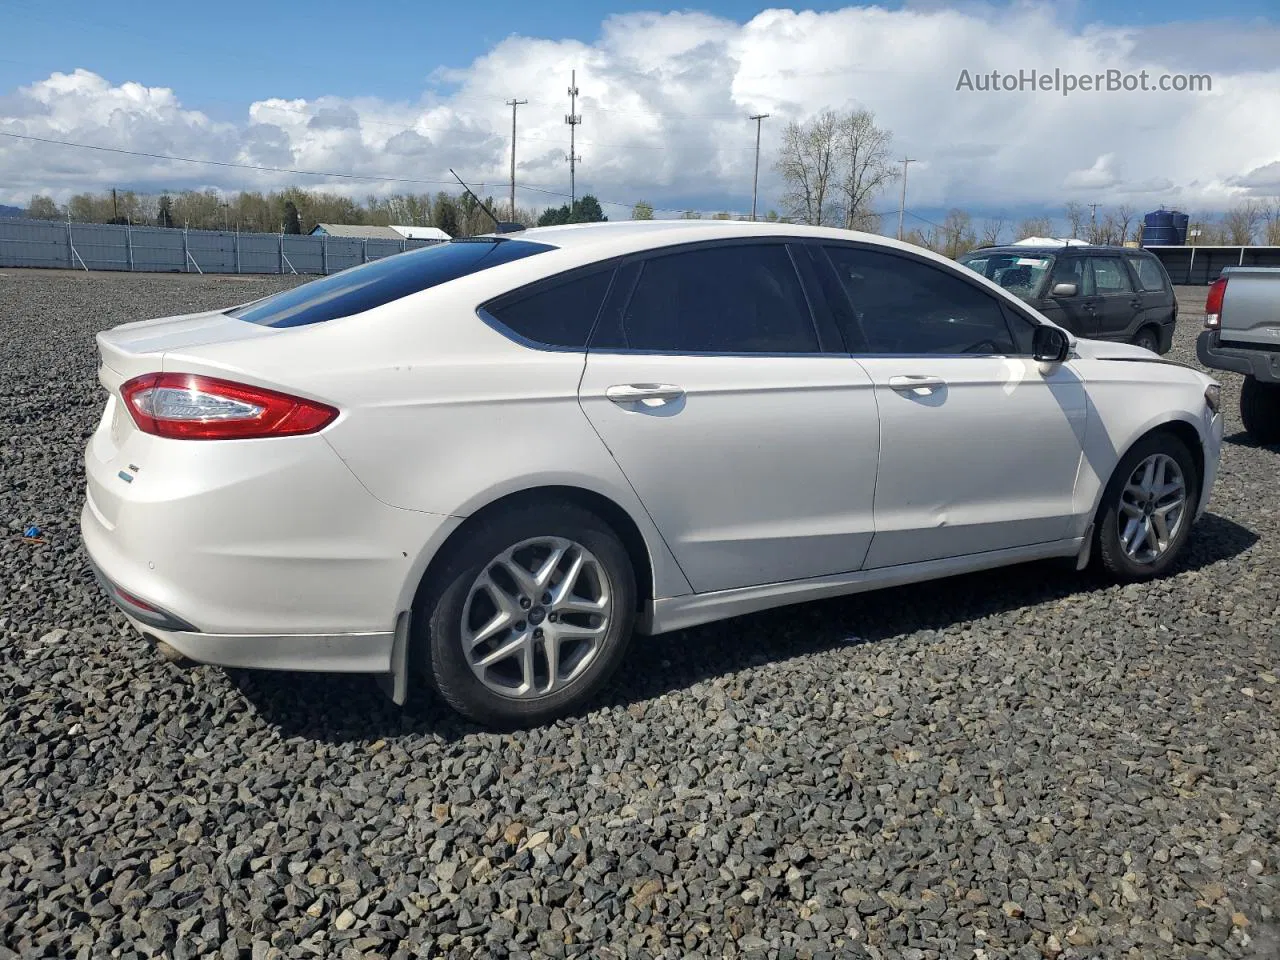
x: 1213, y: 304
x: 185, y: 406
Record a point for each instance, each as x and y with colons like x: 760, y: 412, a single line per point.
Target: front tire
x: 1147, y: 509
x: 528, y: 617
x: 1260, y: 410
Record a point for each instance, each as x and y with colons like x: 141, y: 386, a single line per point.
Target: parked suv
x: 1104, y: 293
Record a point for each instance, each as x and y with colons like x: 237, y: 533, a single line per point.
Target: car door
x: 1118, y: 302
x: 979, y: 447
x: 1154, y: 290
x: 1079, y: 313
x: 750, y: 438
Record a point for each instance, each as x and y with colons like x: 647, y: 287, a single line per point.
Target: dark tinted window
x: 730, y: 299
x: 1110, y: 276
x: 906, y: 306
x: 373, y: 284
x: 1150, y: 276
x: 558, y: 316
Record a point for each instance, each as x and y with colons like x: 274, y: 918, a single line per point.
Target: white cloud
x: 664, y: 100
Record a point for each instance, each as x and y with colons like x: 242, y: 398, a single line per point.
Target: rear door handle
x: 636, y: 392
x: 915, y: 381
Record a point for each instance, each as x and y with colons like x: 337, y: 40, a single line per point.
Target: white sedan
x: 485, y: 463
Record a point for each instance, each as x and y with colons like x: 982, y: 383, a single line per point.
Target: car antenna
x: 500, y: 226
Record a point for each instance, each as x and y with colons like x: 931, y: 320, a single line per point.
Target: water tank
x: 1180, y: 222
x: 1159, y: 228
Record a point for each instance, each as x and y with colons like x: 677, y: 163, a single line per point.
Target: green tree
x: 444, y: 214
x: 292, y: 223
x: 586, y: 209
x: 164, y: 212
x: 554, y: 216
x: 642, y: 211
x: 43, y: 208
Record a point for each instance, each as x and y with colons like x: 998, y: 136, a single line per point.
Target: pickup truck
x: 1242, y: 334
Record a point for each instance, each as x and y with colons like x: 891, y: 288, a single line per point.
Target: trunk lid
x: 134, y: 348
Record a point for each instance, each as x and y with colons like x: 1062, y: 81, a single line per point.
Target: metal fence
x: 106, y: 246
x: 1197, y: 265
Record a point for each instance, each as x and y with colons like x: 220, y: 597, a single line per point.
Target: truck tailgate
x: 1251, y: 307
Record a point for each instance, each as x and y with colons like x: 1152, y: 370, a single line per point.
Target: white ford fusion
x: 486, y: 463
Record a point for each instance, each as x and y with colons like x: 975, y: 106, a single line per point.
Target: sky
x: 402, y: 91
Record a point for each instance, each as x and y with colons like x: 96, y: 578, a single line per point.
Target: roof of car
x: 1057, y: 249
x: 627, y: 236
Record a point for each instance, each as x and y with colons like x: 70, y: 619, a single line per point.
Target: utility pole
x: 755, y: 179
x: 902, y: 204
x: 572, y: 118
x: 513, y: 103
x: 1093, y: 223
x: 115, y: 211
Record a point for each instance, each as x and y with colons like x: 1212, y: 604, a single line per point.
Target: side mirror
x: 1050, y: 345
x: 1064, y: 290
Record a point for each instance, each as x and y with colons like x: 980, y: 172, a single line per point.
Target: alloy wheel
x: 536, y: 617
x: 1153, y: 507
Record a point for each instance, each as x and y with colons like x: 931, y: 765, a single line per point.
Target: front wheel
x: 529, y: 617
x: 1147, y: 509
x: 1260, y: 410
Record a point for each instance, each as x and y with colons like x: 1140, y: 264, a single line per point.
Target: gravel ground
x: 1020, y: 764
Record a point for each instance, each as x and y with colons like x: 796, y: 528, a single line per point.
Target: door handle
x: 636, y: 392
x: 915, y: 382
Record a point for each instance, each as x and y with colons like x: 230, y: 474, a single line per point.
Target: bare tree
x: 992, y: 228
x: 1108, y: 230
x: 808, y: 163
x: 866, y: 168
x: 1034, y: 227
x: 1075, y: 216
x: 1241, y: 222
x: 1124, y: 217
x: 957, y: 230
x: 1271, y: 214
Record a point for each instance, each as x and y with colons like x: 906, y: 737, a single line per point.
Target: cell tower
x: 572, y: 118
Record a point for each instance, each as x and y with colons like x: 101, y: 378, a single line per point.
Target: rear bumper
x: 1263, y: 365
x: 257, y: 554
x: 1212, y: 458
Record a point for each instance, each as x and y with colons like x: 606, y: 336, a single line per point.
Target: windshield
x: 381, y: 281
x: 1022, y: 275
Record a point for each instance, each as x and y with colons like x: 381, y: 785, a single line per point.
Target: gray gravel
x: 1019, y: 764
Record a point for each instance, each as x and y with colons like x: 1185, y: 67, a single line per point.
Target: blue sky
x: 381, y: 48
x: 390, y: 90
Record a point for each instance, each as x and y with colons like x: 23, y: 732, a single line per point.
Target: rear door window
x: 738, y: 298
x: 1110, y: 277
x: 382, y: 281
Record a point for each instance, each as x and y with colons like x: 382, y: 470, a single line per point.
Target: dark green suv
x: 1104, y: 293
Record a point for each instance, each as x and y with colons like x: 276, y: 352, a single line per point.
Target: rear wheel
x: 1148, y: 338
x: 529, y: 616
x: 1147, y: 509
x: 1260, y: 410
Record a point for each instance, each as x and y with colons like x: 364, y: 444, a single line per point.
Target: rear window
x: 373, y: 284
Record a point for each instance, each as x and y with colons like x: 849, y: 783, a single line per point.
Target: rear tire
x: 1260, y: 410
x: 1148, y: 338
x: 480, y: 584
x: 1140, y: 534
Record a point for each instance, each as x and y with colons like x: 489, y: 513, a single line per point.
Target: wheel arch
x: 608, y: 510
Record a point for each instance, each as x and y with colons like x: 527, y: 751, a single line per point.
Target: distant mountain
x: 11, y: 211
